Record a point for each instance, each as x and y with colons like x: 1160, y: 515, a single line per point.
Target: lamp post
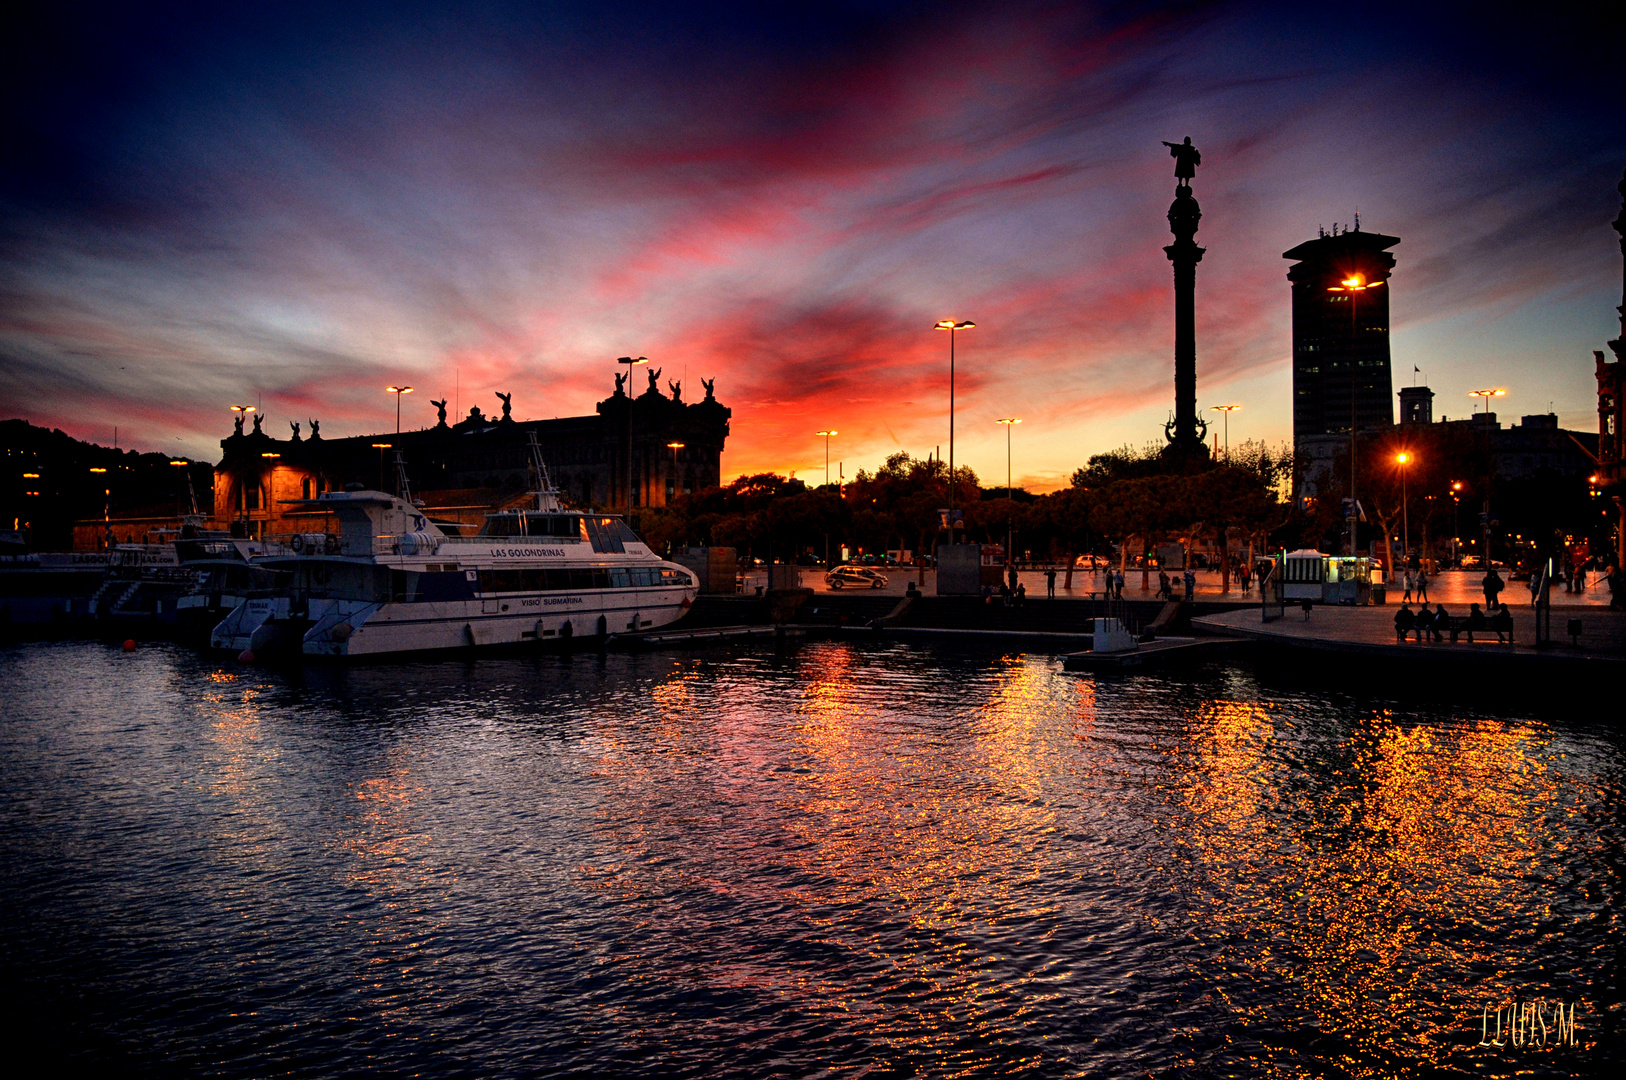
x: 631, y: 362
x: 179, y: 465
x: 243, y: 411
x: 827, y: 435
x: 381, y: 447
x: 1404, y: 459
x: 950, y: 325
x: 1226, y: 410
x: 674, y: 447
x: 398, y: 391
x: 1010, y: 527
x: 1355, y: 284
x: 1484, y: 515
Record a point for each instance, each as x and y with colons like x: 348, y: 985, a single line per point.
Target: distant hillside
x: 47, y: 483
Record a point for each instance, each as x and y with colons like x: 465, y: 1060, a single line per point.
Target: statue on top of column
x: 1186, y: 159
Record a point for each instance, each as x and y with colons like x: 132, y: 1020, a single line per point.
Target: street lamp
x: 1010, y: 527
x: 243, y: 410
x: 1227, y: 410
x: 1484, y: 517
x: 950, y: 325
x: 381, y: 447
x: 1404, y: 459
x: 631, y: 362
x: 398, y: 391
x: 1354, y: 284
x: 674, y: 447
x: 827, y: 435
x: 179, y: 465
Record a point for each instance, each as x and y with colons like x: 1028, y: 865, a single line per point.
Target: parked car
x: 854, y: 577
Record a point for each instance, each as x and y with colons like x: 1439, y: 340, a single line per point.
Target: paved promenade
x: 1370, y: 631
x: 1455, y: 589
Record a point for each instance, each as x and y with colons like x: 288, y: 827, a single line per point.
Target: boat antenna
x: 547, y: 499
x: 401, y: 480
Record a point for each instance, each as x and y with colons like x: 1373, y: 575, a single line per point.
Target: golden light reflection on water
x: 1333, y: 878
x: 1361, y: 901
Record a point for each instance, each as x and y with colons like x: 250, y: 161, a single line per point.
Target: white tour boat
x: 391, y: 581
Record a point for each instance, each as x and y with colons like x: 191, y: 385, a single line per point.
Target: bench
x: 1459, y: 625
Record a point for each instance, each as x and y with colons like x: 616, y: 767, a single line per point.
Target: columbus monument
x: 1187, y: 431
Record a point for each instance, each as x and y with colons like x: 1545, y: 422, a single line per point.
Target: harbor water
x: 819, y: 860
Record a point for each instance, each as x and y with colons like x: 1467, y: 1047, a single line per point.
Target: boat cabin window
x: 561, y: 525
x: 574, y: 579
x: 609, y: 534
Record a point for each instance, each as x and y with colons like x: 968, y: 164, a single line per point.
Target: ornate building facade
x: 465, y: 470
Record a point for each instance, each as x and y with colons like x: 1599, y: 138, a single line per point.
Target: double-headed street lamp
x: 1484, y: 516
x: 1227, y: 410
x: 631, y: 362
x: 398, y: 391
x: 950, y: 325
x: 827, y: 435
x: 1010, y: 527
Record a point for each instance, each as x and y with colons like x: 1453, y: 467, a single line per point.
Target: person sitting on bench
x: 1442, y: 623
x: 1476, y: 621
x: 1502, y: 623
x: 1405, y: 621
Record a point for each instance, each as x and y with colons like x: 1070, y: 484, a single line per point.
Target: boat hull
x: 341, y: 628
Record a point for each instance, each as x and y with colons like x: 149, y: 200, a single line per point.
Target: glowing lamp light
x: 268, y: 454
x: 36, y: 476
x: 97, y: 468
x: 1402, y: 457
x: 179, y: 463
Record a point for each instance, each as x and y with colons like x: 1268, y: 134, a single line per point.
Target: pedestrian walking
x: 1492, y: 583
x: 1163, y: 592
x: 1408, y: 581
x: 1050, y: 582
x: 1021, y: 594
x: 1191, y: 584
x: 1422, y: 584
x: 1118, y: 583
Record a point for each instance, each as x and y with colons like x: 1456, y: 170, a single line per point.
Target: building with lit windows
x: 1341, y: 373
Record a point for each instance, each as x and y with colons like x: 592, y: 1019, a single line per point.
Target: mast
x: 547, y: 499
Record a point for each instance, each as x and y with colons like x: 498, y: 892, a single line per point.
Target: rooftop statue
x: 710, y: 385
x: 654, y: 380
x: 237, y: 424
x: 677, y: 391
x: 507, y: 407
x: 1186, y: 159
x: 440, y: 410
x: 295, y: 425
x: 620, y: 384
x: 257, y: 419
x: 316, y: 430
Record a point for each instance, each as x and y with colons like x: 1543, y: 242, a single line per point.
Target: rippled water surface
x: 830, y: 861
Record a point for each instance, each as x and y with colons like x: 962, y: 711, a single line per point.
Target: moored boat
x: 391, y: 581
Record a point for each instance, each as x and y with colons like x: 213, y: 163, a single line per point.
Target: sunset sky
x: 295, y: 206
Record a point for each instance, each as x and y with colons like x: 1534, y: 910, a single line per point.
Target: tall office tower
x: 1340, y: 337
